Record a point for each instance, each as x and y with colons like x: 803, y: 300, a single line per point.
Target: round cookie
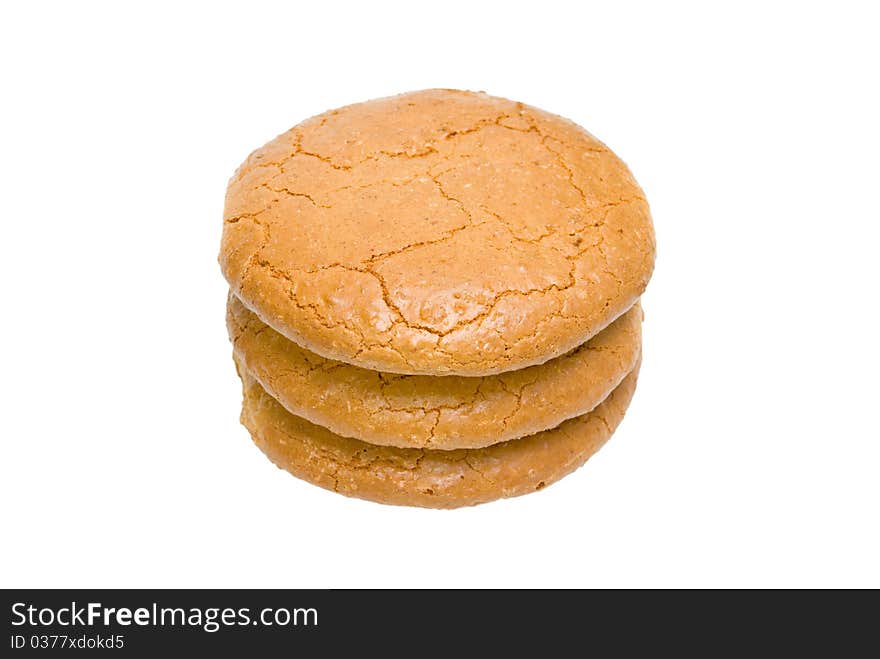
x: 423, y: 411
x: 422, y: 477
x: 437, y: 232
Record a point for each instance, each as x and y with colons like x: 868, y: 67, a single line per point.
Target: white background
x: 751, y: 452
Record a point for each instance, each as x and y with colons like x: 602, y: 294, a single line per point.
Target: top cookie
x: 437, y: 232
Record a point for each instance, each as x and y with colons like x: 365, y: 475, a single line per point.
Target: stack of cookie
x: 434, y: 297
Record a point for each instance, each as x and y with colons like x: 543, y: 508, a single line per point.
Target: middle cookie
x: 420, y: 411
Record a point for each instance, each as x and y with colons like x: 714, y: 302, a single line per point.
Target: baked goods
x: 423, y: 477
x: 435, y: 297
x: 437, y: 232
x: 423, y: 411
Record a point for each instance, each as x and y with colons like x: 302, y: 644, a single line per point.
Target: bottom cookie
x: 423, y: 477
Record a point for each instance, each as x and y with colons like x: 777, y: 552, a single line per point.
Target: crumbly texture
x: 437, y: 232
x: 423, y: 477
x: 424, y: 411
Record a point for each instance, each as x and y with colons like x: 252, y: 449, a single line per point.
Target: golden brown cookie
x: 437, y: 232
x: 423, y: 477
x: 423, y: 411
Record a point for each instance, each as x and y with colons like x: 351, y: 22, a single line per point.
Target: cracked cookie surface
x: 437, y: 232
x: 424, y: 477
x: 424, y: 411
